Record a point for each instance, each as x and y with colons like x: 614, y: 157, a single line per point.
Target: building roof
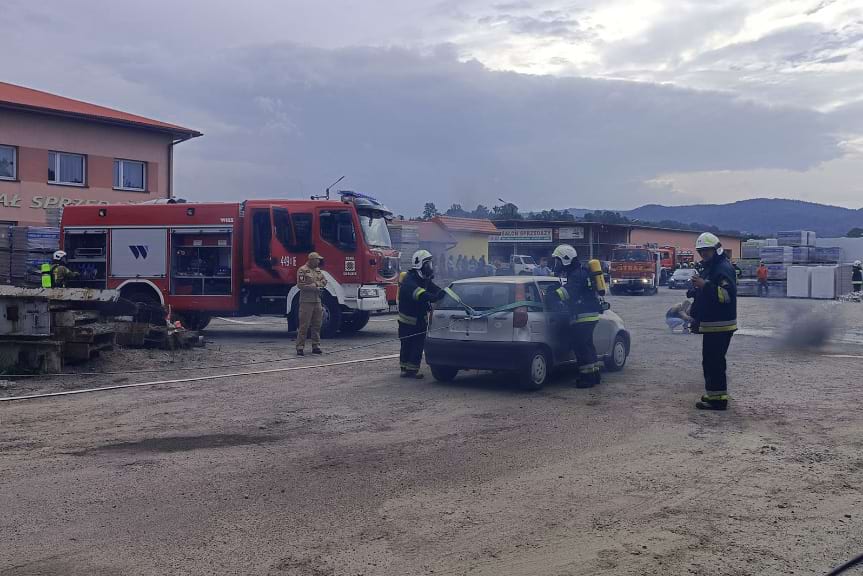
x: 478, y: 225
x: 22, y: 98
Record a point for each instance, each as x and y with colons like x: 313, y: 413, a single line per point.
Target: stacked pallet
x: 5, y: 255
x: 31, y: 246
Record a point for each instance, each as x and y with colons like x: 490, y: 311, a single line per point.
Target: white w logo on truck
x: 139, y: 252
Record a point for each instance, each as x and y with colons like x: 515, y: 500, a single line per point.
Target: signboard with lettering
x: 573, y: 233
x: 523, y: 235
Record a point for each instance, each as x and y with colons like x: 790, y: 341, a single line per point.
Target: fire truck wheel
x: 332, y: 320
x: 194, y: 320
x: 355, y: 321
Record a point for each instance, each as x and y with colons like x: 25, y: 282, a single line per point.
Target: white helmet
x: 858, y: 263
x: 59, y: 255
x: 565, y: 253
x: 708, y: 240
x: 422, y: 262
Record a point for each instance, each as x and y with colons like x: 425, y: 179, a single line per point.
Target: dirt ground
x: 350, y: 470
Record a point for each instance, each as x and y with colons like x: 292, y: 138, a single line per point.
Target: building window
x: 67, y: 169
x: 130, y: 175
x: 8, y: 162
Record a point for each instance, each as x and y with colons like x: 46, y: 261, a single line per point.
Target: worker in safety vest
x: 763, y: 274
x: 310, y: 281
x: 578, y: 296
x: 56, y: 274
x: 857, y: 276
x: 417, y: 292
x: 714, y: 314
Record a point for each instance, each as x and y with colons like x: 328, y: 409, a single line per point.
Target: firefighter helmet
x: 708, y: 240
x: 423, y: 262
x: 59, y: 255
x: 565, y: 253
x: 858, y: 264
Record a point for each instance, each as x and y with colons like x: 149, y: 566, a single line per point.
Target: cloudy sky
x: 545, y: 103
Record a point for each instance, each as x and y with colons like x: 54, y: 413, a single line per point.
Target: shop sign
x: 44, y: 202
x: 525, y: 235
x: 573, y: 233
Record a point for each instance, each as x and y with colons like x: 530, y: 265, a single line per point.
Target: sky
x: 543, y: 103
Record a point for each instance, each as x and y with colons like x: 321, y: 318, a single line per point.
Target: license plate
x: 470, y: 326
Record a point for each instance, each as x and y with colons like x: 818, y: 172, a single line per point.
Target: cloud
x: 413, y: 127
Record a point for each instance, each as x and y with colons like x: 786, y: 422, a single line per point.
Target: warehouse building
x: 55, y: 152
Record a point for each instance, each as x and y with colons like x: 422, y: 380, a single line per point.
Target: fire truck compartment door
x: 139, y: 252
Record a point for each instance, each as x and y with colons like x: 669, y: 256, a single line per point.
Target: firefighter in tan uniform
x: 310, y: 281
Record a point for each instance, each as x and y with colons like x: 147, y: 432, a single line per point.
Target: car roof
x: 504, y: 279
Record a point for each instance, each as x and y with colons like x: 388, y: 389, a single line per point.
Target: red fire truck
x: 208, y: 259
x: 635, y: 269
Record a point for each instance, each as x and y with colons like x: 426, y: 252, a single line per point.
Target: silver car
x: 528, y: 341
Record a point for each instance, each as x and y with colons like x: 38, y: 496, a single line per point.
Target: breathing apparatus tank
x: 595, y: 268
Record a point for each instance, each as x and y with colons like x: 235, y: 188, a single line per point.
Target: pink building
x: 55, y: 151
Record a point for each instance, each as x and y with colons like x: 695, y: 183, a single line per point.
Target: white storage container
x: 799, y: 285
x: 823, y: 282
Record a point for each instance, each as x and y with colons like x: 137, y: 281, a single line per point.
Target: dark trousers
x: 714, y: 348
x: 581, y: 340
x: 857, y: 286
x: 763, y: 287
x: 413, y: 339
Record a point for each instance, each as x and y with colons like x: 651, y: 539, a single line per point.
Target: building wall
x: 679, y: 239
x: 27, y: 199
x: 470, y: 244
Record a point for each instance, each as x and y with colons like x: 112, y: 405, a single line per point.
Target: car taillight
x: 519, y: 318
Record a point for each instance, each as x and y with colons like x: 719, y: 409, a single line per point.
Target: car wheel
x: 535, y: 374
x: 617, y: 359
x: 355, y: 322
x: 332, y: 316
x: 443, y: 373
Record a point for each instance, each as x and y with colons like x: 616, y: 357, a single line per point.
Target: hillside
x: 762, y: 216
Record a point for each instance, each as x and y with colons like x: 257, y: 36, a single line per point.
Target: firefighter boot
x: 412, y: 374
x: 317, y: 350
x: 713, y: 402
x: 300, y: 352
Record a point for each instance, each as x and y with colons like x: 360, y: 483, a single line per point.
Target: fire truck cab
x: 207, y: 259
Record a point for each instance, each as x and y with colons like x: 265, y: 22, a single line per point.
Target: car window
x: 531, y: 293
x: 479, y: 296
x: 544, y: 286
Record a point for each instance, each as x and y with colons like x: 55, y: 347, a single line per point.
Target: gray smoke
x: 812, y: 329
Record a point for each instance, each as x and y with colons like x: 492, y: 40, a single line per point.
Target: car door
x: 557, y: 324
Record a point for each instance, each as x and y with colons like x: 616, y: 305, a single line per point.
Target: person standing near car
x: 542, y: 269
x: 310, y: 281
x: 714, y: 314
x: 417, y: 292
x: 580, y: 298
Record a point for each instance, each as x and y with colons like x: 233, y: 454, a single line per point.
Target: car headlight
x: 616, y: 281
x: 368, y: 292
x: 645, y: 280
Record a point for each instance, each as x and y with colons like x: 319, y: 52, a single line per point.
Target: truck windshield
x: 631, y: 255
x: 375, y: 230
x: 528, y: 260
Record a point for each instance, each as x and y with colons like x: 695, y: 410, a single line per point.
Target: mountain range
x: 761, y: 216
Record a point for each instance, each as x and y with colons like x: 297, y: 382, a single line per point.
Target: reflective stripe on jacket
x: 415, y: 297
x: 715, y: 306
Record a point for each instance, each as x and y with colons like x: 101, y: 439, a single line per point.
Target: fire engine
x: 207, y: 259
x: 635, y: 269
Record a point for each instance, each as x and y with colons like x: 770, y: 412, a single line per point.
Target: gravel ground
x: 349, y: 470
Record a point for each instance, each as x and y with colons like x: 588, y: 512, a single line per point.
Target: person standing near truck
x: 714, y: 314
x: 310, y: 281
x: 417, y: 292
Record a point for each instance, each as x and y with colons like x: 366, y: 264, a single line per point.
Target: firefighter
x: 56, y: 274
x: 417, y: 292
x: 310, y: 281
x: 580, y: 299
x: 714, y: 314
x: 857, y: 276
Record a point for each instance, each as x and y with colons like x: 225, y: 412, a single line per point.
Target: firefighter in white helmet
x: 417, y: 292
x: 857, y: 276
x: 714, y: 314
x: 579, y: 298
x: 57, y: 274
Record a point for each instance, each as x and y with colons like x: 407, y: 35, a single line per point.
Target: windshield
x: 632, y: 255
x: 528, y: 260
x: 375, y: 230
x: 683, y: 273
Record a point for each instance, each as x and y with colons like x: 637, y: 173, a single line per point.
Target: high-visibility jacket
x: 415, y: 298
x: 715, y: 305
x: 578, y: 295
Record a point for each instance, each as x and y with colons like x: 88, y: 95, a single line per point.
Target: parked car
x: 682, y: 278
x: 528, y: 341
